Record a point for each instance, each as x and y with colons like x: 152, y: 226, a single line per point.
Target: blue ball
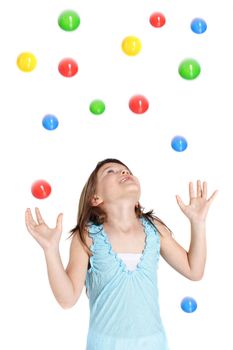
x: 188, y: 304
x: 179, y: 143
x: 50, y: 122
x: 198, y: 25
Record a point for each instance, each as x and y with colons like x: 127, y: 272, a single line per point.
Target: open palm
x: 197, y: 209
x: 46, y: 237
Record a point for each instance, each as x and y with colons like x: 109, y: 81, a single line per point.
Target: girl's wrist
x: 195, y: 222
x: 51, y: 250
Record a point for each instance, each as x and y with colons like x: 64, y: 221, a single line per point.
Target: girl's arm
x: 66, y: 284
x: 191, y: 264
x: 60, y: 283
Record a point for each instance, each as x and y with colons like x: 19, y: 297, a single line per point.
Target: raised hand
x: 197, y: 209
x: 46, y: 237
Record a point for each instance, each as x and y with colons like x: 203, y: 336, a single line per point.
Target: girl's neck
x: 122, y: 223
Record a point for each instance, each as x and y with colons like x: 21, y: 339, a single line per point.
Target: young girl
x: 114, y: 251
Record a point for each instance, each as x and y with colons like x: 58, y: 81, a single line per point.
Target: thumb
x: 59, y: 222
x: 210, y: 200
x: 180, y: 203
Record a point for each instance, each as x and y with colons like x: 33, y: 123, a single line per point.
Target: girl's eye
x: 110, y: 170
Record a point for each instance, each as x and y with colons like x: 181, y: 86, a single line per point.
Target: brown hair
x: 88, y: 214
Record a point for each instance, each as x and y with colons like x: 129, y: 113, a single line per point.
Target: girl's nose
x: 124, y: 171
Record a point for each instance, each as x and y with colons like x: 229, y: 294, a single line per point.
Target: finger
x: 28, y: 215
x: 191, y: 191
x: 29, y: 218
x: 38, y: 216
x: 59, y: 222
x: 180, y: 203
x: 29, y: 221
x: 199, y: 190
x: 210, y: 200
x: 204, y: 191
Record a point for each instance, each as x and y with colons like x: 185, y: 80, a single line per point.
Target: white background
x: 200, y: 110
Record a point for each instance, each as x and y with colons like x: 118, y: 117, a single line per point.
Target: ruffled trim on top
x: 150, y: 232
x: 95, y: 230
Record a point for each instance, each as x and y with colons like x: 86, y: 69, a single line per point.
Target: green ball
x: 97, y: 107
x: 189, y: 69
x: 69, y: 20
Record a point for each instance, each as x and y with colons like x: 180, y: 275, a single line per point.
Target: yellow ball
x: 131, y: 45
x: 26, y: 61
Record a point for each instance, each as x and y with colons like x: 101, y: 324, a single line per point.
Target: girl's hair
x: 93, y: 214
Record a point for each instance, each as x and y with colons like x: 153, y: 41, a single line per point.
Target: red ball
x: 138, y: 104
x: 157, y: 19
x: 41, y: 189
x: 68, y: 67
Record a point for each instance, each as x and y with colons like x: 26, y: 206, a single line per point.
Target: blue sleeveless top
x: 124, y: 308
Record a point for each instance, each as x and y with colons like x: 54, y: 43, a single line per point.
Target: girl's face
x: 115, y: 181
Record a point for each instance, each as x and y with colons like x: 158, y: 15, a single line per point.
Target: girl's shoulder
x: 90, y: 231
x: 162, y: 228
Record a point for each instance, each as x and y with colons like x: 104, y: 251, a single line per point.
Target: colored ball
x: 26, y: 61
x: 198, y: 25
x: 189, y: 69
x: 50, y: 122
x: 68, y: 67
x: 41, y: 189
x: 179, y: 143
x: 138, y: 104
x: 188, y: 304
x: 97, y: 107
x: 69, y: 20
x: 131, y: 45
x: 157, y: 19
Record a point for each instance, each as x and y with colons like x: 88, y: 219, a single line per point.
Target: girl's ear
x: 96, y: 200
